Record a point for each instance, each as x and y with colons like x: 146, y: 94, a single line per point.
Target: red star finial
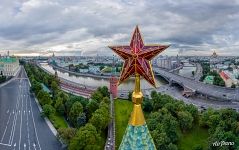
x: 137, y: 57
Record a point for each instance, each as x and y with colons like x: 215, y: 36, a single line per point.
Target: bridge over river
x: 190, y: 86
x: 197, y: 87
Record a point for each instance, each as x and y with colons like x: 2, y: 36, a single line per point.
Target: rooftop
x: 8, y: 59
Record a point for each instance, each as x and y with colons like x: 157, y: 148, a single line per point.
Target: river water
x: 91, y: 81
x: 95, y: 82
x: 187, y: 71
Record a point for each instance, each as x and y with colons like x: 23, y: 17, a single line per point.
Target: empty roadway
x: 21, y: 126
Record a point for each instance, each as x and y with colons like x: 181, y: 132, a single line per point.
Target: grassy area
x: 123, y: 109
x: 197, y: 136
x: 107, y: 69
x: 58, y: 121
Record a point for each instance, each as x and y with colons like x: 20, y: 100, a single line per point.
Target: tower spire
x: 113, y: 80
x: 137, y: 57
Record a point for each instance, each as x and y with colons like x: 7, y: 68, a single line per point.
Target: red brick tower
x: 113, y: 86
x: 113, y: 82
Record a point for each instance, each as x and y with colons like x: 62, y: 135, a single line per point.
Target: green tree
x: 91, y: 107
x: 75, y: 112
x: 172, y: 146
x: 106, y: 100
x: 86, y: 138
x: 185, y: 120
x: 81, y: 120
x: 66, y: 134
x: 154, y: 94
x: 130, y: 96
x: 36, y: 87
x: 101, y: 117
x: 161, y: 139
x: 45, y: 80
x: 64, y: 97
x: 102, y: 67
x: 153, y: 120
x: 170, y: 126
x: 54, y: 86
x: 104, y: 91
x: 192, y: 110
x: 44, y: 97
x: 97, y: 96
x: 48, y: 110
x: 59, y: 106
x: 221, y: 135
x: 147, y: 105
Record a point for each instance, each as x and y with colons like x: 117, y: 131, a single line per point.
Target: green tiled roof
x: 137, y: 138
x: 8, y: 60
x: 209, y: 79
x: 45, y: 88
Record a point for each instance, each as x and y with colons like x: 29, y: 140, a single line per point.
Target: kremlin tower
x: 113, y: 81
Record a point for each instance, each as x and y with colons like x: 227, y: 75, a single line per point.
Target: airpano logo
x: 222, y: 143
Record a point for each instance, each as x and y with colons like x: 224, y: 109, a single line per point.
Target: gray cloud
x: 38, y: 26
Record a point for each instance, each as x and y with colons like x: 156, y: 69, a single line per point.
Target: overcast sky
x: 86, y: 27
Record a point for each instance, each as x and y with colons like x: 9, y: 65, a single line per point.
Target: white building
x: 9, y: 66
x: 164, y: 63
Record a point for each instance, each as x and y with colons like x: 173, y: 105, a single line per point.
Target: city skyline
x: 34, y: 27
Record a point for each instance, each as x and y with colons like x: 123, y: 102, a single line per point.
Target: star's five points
x: 137, y: 57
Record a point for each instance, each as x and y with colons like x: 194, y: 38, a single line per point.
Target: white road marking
x: 7, y: 111
x: 34, y: 145
x: 6, y: 127
x: 21, y: 126
x: 15, y: 146
x: 14, y: 123
x: 5, y: 144
x: 34, y: 125
x: 28, y: 139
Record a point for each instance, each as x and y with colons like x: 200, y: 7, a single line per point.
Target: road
x: 176, y: 93
x: 110, y: 142
x: 21, y: 126
x: 198, y: 73
x: 197, y: 101
x: 220, y: 93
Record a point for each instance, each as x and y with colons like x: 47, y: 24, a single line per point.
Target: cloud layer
x: 85, y: 27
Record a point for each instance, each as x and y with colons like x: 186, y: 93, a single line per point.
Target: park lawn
x: 197, y: 136
x: 58, y: 121
x: 107, y: 69
x: 123, y: 109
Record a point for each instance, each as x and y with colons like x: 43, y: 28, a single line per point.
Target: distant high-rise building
x: 214, y: 58
x: 214, y: 54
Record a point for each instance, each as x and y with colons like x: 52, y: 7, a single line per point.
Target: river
x: 187, y: 70
x: 91, y: 81
x: 95, y: 82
